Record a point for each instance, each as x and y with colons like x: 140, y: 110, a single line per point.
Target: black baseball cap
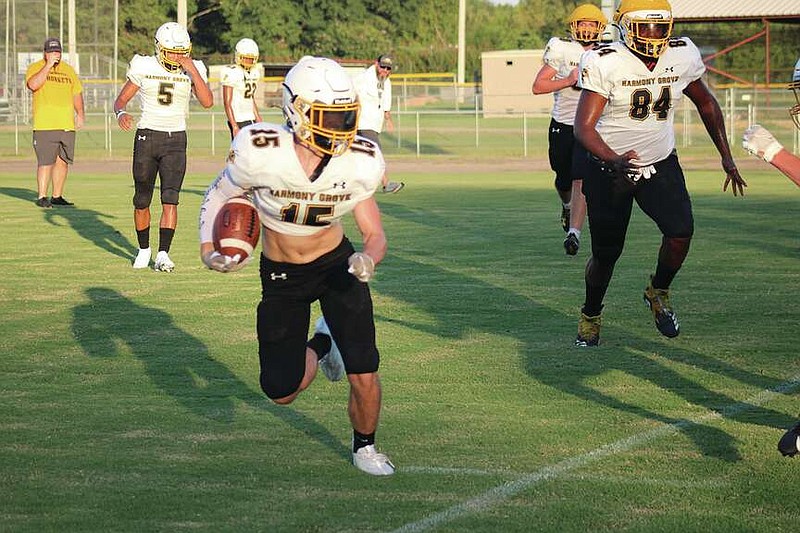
x: 52, y: 44
x: 385, y: 61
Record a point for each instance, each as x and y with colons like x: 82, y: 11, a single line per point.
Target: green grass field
x: 131, y: 398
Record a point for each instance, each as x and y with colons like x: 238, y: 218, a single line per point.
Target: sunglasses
x: 386, y: 68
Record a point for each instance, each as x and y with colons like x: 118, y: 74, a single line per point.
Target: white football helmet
x: 171, y: 37
x: 320, y: 105
x: 246, y: 53
x: 645, y: 25
x: 794, y: 111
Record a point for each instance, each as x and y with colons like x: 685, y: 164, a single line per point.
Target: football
x: 236, y: 228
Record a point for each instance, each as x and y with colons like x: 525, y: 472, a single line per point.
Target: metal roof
x: 696, y: 10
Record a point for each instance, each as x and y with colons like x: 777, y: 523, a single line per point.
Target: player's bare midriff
x: 299, y: 250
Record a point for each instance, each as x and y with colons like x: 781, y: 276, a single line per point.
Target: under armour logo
x: 275, y: 276
x: 556, y: 130
x: 669, y: 69
x: 341, y: 184
x: 142, y: 137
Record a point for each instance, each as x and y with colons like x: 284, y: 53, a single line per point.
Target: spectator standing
x: 374, y: 90
x: 57, y: 113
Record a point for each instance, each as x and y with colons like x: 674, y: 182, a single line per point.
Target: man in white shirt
x: 374, y: 90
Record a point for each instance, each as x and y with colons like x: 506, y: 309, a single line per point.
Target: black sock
x: 321, y: 344
x: 360, y: 440
x: 165, y: 238
x: 143, y: 236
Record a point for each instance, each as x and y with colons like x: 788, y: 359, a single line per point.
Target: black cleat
x: 658, y: 302
x: 790, y: 442
x: 571, y: 244
x: 60, y: 200
x: 44, y: 202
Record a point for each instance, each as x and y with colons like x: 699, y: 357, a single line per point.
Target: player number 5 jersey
x: 641, y: 103
x: 164, y: 95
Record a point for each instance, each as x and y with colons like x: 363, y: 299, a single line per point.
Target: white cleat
x: 367, y: 459
x: 142, y: 258
x: 331, y: 363
x: 163, y: 262
x: 393, y: 187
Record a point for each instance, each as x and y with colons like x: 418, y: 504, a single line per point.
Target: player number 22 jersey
x: 641, y: 103
x: 244, y: 83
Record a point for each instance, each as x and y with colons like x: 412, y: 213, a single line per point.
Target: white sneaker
x: 393, y: 187
x: 370, y: 461
x: 331, y: 363
x: 163, y: 262
x: 142, y: 258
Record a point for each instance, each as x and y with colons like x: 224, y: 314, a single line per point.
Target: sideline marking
x: 505, y: 491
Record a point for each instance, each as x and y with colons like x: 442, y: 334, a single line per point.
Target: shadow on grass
x: 87, y: 223
x: 177, y: 362
x: 465, y: 304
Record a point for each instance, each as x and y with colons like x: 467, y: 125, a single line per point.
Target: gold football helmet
x: 645, y: 25
x: 591, y: 13
x: 320, y: 105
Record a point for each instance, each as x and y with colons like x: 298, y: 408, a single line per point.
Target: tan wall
x: 507, y: 77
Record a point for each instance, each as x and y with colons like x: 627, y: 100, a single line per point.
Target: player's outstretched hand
x: 224, y: 263
x: 761, y: 143
x: 362, y: 266
x: 733, y: 177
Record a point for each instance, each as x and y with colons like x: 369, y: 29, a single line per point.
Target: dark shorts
x: 50, y: 144
x: 663, y: 198
x: 288, y: 290
x: 158, y: 153
x: 372, y: 135
x: 561, y: 147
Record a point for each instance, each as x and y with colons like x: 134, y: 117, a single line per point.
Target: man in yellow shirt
x: 57, y: 113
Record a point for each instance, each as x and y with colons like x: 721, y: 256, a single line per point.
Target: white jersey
x: 563, y: 55
x: 375, y: 97
x: 244, y: 83
x: 796, y: 74
x: 263, y: 164
x: 163, y: 95
x: 641, y: 103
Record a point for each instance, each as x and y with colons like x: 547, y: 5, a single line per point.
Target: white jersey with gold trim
x: 163, y: 95
x: 244, y: 83
x: 563, y: 55
x: 263, y: 164
x: 641, y: 103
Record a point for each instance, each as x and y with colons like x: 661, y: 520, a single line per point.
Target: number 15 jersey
x: 641, y: 103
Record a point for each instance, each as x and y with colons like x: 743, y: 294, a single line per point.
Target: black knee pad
x: 169, y: 196
x: 274, y: 388
x: 607, y: 254
x: 143, y: 195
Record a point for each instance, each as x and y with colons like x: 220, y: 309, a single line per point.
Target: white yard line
x: 501, y: 493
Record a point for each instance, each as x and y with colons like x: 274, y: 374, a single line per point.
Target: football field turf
x: 131, y: 398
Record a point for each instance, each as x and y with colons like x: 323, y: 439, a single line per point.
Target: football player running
x: 761, y: 143
x: 239, y: 82
x: 559, y: 75
x: 303, y: 177
x: 625, y: 122
x: 164, y: 83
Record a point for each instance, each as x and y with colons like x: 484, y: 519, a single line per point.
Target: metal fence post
x: 213, y: 131
x: 417, y: 114
x: 477, y: 130
x: 524, y: 134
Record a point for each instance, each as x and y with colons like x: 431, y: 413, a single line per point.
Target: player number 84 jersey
x: 641, y: 103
